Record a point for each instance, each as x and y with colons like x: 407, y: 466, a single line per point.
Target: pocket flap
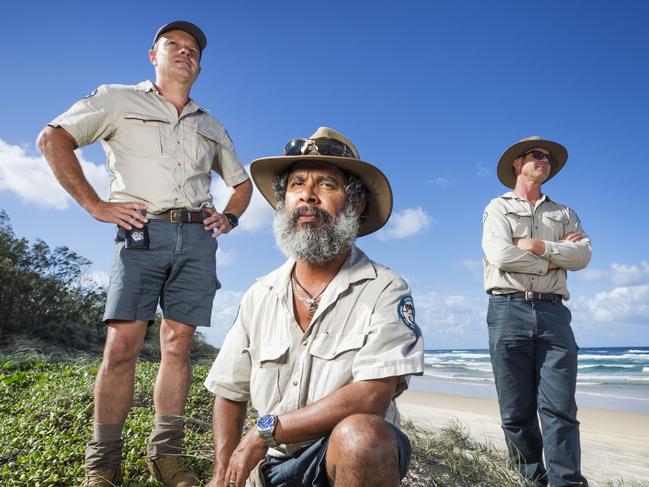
x: 268, y: 353
x: 558, y: 216
x: 208, y: 131
x: 330, y: 346
x: 145, y: 118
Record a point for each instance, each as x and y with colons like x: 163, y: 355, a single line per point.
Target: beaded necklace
x: 311, y: 301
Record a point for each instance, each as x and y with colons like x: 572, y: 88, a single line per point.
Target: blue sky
x: 431, y: 92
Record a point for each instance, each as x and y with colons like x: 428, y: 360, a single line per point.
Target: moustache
x: 319, y: 213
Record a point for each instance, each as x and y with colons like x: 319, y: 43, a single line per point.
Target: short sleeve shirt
x: 154, y: 155
x: 363, y: 329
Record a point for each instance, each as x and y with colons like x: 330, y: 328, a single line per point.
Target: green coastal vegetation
x: 51, y: 338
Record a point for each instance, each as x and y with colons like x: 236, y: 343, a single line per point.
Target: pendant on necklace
x: 312, y: 309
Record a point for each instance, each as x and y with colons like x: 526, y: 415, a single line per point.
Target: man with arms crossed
x: 530, y: 241
x: 322, y: 345
x: 161, y: 148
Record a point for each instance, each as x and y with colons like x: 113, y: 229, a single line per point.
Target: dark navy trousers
x: 534, y: 359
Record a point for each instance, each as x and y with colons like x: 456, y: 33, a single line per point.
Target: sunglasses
x: 319, y: 147
x: 538, y: 155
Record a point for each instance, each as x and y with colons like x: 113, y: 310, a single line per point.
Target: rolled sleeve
x: 229, y: 376
x: 394, y: 345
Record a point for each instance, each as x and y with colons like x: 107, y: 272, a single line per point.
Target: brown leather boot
x: 171, y: 471
x: 103, y: 477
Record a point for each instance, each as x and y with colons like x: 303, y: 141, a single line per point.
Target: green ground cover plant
x: 46, y: 420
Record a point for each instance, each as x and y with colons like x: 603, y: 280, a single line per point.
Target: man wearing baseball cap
x: 530, y: 242
x: 322, y: 345
x: 161, y: 149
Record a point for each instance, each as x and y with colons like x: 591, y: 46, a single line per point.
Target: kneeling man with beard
x: 323, y: 345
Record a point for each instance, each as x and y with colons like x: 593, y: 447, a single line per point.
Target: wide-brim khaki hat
x: 379, y: 193
x: 505, y: 165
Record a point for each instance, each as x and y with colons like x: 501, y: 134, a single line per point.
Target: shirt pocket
x: 554, y: 222
x: 334, y: 355
x: 144, y: 134
x: 521, y: 224
x: 267, y: 360
x: 207, y: 146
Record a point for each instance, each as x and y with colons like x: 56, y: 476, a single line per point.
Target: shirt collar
x: 356, y: 267
x: 510, y: 195
x: 149, y: 86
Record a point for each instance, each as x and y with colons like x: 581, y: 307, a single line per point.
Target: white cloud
x: 406, y: 223
x: 590, y: 275
x: 482, y: 171
x: 224, y: 312
x: 625, y: 275
x: 473, y: 266
x: 259, y: 215
x: 224, y: 257
x: 447, y: 316
x: 438, y: 181
x: 30, y: 178
x: 98, y: 278
x: 626, y: 304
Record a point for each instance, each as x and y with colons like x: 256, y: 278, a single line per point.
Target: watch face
x: 266, y: 422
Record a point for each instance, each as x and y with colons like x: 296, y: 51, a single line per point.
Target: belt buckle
x: 173, y: 216
x: 529, y: 295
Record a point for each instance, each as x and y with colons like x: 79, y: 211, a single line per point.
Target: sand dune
x: 615, y: 445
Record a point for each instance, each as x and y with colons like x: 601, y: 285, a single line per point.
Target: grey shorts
x: 307, y: 467
x: 178, y: 271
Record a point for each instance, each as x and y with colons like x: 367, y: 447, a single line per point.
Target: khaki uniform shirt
x: 155, y: 156
x: 363, y: 329
x: 509, y: 269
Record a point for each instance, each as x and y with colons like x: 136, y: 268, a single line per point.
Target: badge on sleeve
x: 406, y: 310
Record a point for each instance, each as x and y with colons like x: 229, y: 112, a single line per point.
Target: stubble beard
x: 311, y: 242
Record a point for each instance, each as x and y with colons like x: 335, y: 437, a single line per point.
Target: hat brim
x: 379, y: 200
x: 506, y: 168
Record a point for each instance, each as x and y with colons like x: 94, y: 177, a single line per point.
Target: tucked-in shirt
x: 509, y: 269
x: 154, y: 155
x: 363, y: 329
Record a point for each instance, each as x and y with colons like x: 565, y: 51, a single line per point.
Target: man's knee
x: 123, y: 343
x: 364, y: 438
x: 176, y: 339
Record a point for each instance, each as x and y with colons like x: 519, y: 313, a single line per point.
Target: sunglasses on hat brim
x: 318, y: 147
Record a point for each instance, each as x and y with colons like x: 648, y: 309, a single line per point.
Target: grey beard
x: 311, y: 244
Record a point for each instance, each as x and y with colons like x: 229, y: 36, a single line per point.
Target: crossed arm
x: 235, y: 457
x: 529, y: 255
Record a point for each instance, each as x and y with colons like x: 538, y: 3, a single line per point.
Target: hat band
x: 323, y: 146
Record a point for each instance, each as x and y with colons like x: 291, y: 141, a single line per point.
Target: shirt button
x: 177, y: 142
x: 179, y: 163
x: 304, y: 342
x: 295, y: 382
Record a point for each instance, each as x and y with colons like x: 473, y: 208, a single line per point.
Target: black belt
x: 533, y: 296
x: 179, y: 216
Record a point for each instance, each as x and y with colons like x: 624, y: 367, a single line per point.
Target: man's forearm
x: 319, y: 418
x: 239, y: 199
x: 227, y: 424
x: 58, y: 148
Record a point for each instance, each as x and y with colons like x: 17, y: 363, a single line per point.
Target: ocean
x: 608, y: 377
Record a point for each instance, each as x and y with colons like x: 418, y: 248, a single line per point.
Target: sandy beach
x: 615, y: 444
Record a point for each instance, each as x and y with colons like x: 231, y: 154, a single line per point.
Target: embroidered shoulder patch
x: 406, y: 310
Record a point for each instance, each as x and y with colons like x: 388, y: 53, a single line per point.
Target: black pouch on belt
x: 137, y: 238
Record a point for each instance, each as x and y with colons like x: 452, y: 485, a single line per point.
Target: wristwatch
x: 266, y: 427
x: 234, y: 221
